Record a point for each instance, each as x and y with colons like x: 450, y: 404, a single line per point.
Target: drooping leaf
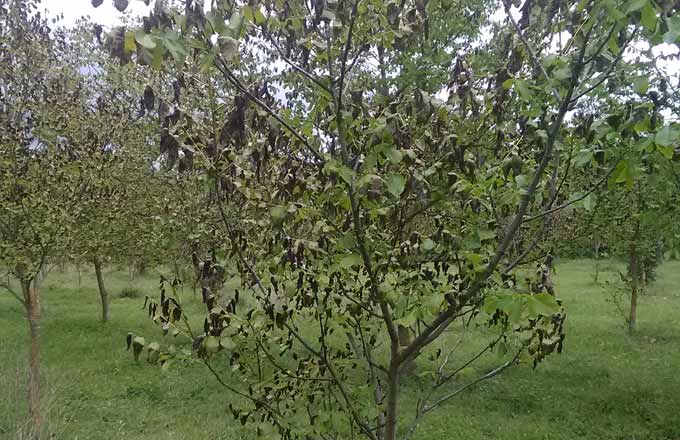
x: 121, y: 5
x: 228, y: 47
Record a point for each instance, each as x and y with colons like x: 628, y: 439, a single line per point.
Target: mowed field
x: 606, y: 384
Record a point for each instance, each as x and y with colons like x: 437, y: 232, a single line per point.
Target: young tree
x: 366, y: 206
x: 40, y: 183
x: 633, y: 151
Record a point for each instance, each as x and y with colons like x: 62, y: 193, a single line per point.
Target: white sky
x: 105, y: 14
x: 108, y: 16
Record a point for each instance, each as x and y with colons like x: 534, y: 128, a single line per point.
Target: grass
x: 605, y: 385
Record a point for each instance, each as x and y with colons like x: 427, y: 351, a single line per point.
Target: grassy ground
x: 605, y: 385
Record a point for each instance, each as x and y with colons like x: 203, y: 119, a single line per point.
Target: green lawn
x: 605, y: 385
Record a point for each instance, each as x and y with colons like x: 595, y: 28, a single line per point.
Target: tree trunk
x: 80, y: 277
x: 32, y: 304
x: 102, y: 289
x: 632, y: 319
x: 392, y: 396
x: 634, y: 276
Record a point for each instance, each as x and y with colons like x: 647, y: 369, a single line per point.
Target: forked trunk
x: 32, y: 304
x: 102, y: 289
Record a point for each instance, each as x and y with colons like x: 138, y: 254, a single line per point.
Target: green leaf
x: 587, y: 203
x: 227, y: 343
x: 278, y: 214
x: 673, y: 33
x: 395, y: 156
x: 562, y: 74
x: 512, y: 305
x: 583, y: 157
x: 667, y: 152
x: 636, y: 5
x: 211, y: 344
x: 665, y: 137
x: 349, y: 260
x: 543, y: 304
x: 427, y: 244
x: 207, y: 61
x: 130, y: 45
x: 395, y: 184
x: 235, y: 24
x: 643, y: 125
x: 613, y: 46
x: 335, y: 167
x: 615, y: 177
x: 486, y: 234
x: 523, y: 89
x: 501, y: 349
x: 472, y: 240
x: 248, y: 14
x: 640, y: 85
x: 175, y: 46
x: 144, y: 40
x: 648, y: 17
x: 259, y: 17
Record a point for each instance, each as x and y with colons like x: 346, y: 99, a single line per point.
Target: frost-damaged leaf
x: 137, y: 346
x: 149, y: 98
x: 121, y: 5
x: 228, y: 47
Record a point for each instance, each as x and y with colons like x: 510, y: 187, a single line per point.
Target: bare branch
x: 310, y: 76
x: 12, y: 292
x: 571, y: 202
x: 489, y: 375
x: 527, y: 46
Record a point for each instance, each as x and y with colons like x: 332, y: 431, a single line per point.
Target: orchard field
x: 606, y: 384
x: 340, y: 219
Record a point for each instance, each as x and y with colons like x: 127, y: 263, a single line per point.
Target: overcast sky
x: 105, y: 14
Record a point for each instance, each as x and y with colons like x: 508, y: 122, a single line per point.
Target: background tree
x: 40, y: 181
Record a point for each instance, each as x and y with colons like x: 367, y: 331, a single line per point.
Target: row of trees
x: 350, y: 180
x: 79, y: 176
